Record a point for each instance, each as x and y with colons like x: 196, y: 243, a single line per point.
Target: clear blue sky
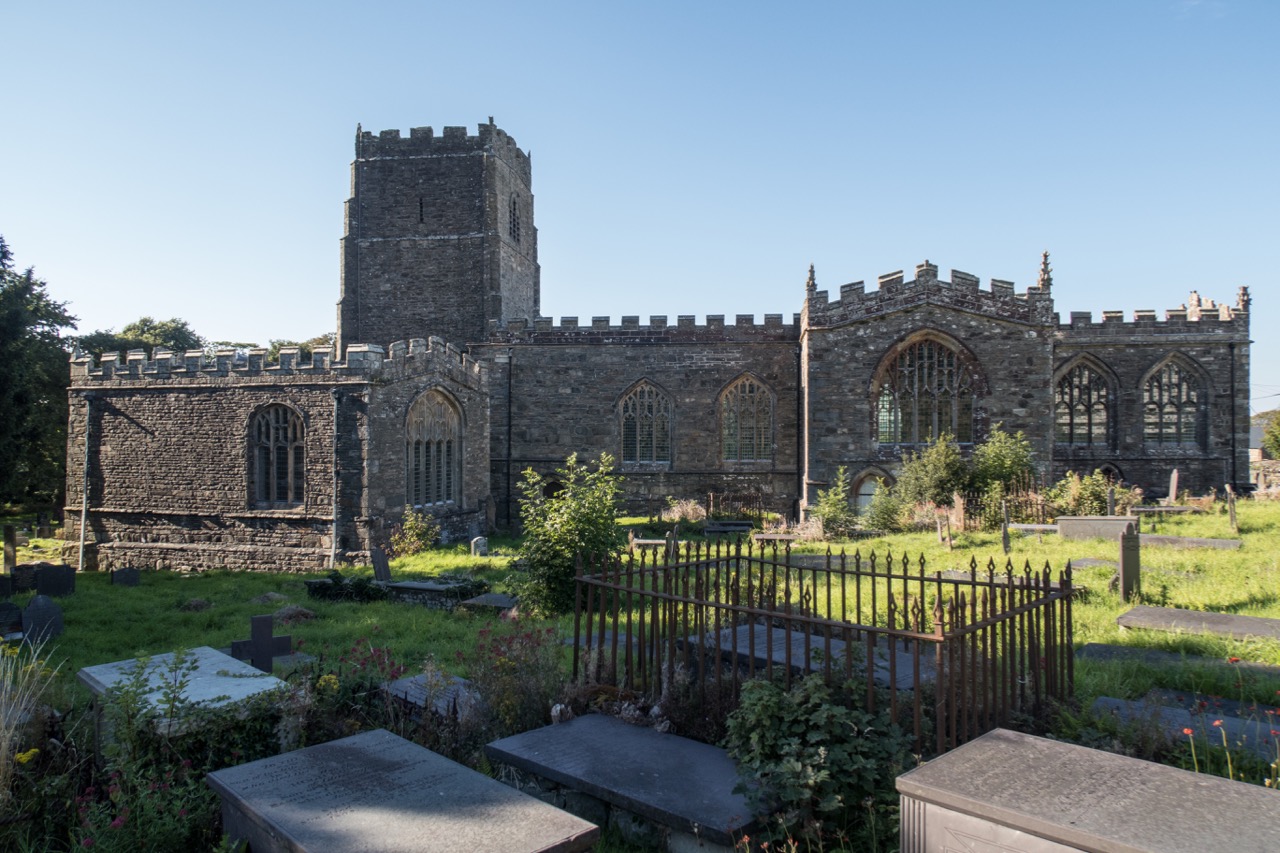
x: 188, y: 160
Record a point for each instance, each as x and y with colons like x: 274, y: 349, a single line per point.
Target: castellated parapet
x: 1034, y: 306
x: 364, y: 363
x: 1197, y: 316
x: 452, y: 141
x: 743, y: 328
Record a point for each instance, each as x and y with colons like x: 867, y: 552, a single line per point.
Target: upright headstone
x: 43, y: 529
x: 125, y: 577
x: 55, y: 580
x: 1130, y: 569
x: 1231, y: 508
x: 10, y: 548
x: 381, y: 565
x: 480, y: 547
x: 1111, y: 500
x: 1004, y: 525
x: 1173, y: 488
x: 42, y: 620
x: 261, y: 648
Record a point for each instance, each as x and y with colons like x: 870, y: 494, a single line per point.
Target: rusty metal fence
x: 950, y: 655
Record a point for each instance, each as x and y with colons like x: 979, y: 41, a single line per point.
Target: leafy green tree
x: 145, y: 333
x: 325, y: 340
x: 884, y: 510
x: 833, y: 508
x: 34, y: 375
x: 1271, y: 438
x: 575, y: 511
x: 933, y: 474
x: 1003, y: 459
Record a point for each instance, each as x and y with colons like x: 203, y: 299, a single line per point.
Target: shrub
x: 24, y: 679
x: 1076, y: 495
x: 415, y: 533
x: 516, y: 669
x: 833, y: 509
x: 884, y: 511
x: 1002, y: 459
x: 578, y: 517
x: 933, y: 474
x: 814, y: 759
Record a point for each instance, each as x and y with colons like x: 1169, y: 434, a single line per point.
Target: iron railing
x: 958, y: 653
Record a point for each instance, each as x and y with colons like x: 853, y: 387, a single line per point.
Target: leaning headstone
x: 42, y: 620
x: 480, y: 547
x: 1130, y: 570
x: 378, y: 791
x: 381, y: 565
x: 10, y: 548
x: 1009, y: 791
x: 59, y: 580
x: 125, y: 577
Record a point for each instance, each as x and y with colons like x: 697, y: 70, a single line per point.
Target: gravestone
x: 1111, y: 500
x: 1008, y: 791
x: 42, y: 620
x: 1178, y: 621
x: 6, y: 586
x: 10, y: 621
x: 1092, y: 526
x: 442, y: 694
x: 1004, y: 525
x: 261, y: 648
x: 1130, y: 569
x: 55, y: 580
x: 10, y: 548
x: 1173, y: 488
x: 381, y: 566
x: 480, y: 547
x: 379, y: 793
x: 495, y: 602
x: 1231, y: 508
x: 24, y: 578
x: 125, y: 577
x: 214, y: 680
x: 43, y: 529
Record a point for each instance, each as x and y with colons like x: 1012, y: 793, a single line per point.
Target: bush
x: 933, y: 474
x: 415, y: 533
x: 580, y: 516
x: 517, y: 672
x: 814, y: 759
x: 1002, y: 459
x: 833, y: 509
x: 885, y: 510
x: 1076, y: 495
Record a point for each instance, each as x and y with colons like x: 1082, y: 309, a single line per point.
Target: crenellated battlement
x: 452, y: 141
x: 1197, y: 314
x: 659, y: 329
x: 363, y: 361
x: 963, y: 292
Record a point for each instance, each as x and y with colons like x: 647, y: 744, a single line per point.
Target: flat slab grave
x: 495, y: 602
x: 677, y: 783
x: 1175, y: 620
x: 1189, y: 542
x: 376, y: 792
x: 1094, y: 526
x: 1008, y: 791
x: 215, y: 680
x: 443, y: 694
x: 1108, y: 653
x: 1246, y: 728
x: 746, y: 643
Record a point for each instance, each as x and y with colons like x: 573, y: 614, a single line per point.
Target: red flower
x: 1188, y: 732
x: 1217, y: 722
x: 1233, y: 660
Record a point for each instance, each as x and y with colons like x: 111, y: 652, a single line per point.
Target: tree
x: 574, y: 512
x: 833, y: 509
x: 934, y: 474
x: 145, y: 333
x: 325, y: 340
x: 1003, y: 459
x: 34, y: 375
x: 1271, y: 438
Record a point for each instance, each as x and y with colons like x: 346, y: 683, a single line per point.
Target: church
x: 445, y: 383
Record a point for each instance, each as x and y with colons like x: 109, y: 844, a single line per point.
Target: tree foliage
x: 1271, y: 438
x: 933, y: 474
x: 305, y: 347
x: 145, y: 333
x: 574, y: 511
x: 1003, y: 459
x: 833, y: 508
x: 34, y: 375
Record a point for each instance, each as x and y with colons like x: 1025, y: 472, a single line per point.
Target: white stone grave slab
x: 376, y: 792
x: 215, y: 679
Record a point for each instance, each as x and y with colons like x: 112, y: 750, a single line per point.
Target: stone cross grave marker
x: 261, y: 647
x: 381, y: 566
x: 55, y: 580
x: 125, y: 577
x: 42, y: 620
x: 1130, y: 569
x: 10, y: 548
x: 376, y: 791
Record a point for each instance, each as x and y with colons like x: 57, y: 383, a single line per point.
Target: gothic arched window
x: 1082, y: 408
x: 746, y: 421
x: 433, y: 448
x: 1172, y: 406
x: 277, y: 469
x: 924, y: 391
x: 646, y: 425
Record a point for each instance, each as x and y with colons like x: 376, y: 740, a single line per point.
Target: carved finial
x: 1046, y: 272
x: 811, y: 286
x: 1242, y: 299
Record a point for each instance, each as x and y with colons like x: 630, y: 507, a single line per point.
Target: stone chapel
x: 446, y: 383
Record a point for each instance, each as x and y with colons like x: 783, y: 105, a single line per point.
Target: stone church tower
x: 439, y: 237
